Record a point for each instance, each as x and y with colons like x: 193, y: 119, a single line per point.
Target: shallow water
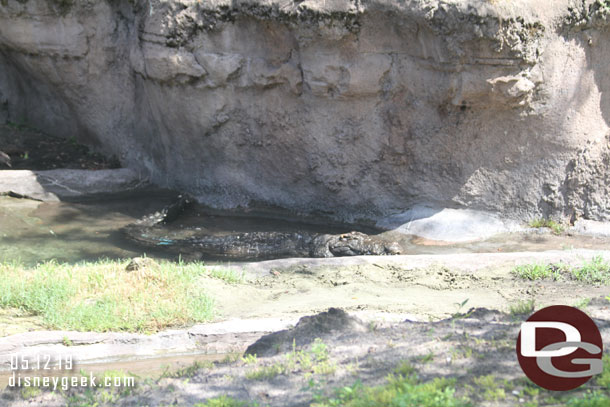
x: 152, y: 368
x: 32, y: 231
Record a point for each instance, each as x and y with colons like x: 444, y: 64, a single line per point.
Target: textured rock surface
x: 359, y: 108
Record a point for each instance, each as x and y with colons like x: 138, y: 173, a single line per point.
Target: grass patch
x: 122, y: 385
x: 582, y: 303
x: 267, y: 372
x: 556, y: 228
x: 103, y: 296
x: 594, y: 399
x: 316, y: 360
x: 222, y: 401
x: 489, y: 389
x: 399, y: 391
x: 524, y: 307
x: 538, y: 271
x: 188, y: 371
x: 594, y: 271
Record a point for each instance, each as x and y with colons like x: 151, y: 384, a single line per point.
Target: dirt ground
x: 395, y: 288
x: 30, y: 149
x: 413, y: 313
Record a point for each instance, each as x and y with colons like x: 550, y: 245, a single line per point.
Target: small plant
x: 222, y: 401
x: 313, y: 361
x: 249, y: 359
x: 458, y: 313
x: 583, y: 303
x: 230, y: 358
x: 66, y: 341
x: 556, y: 228
x: 523, y: 307
x: 596, y: 271
x: 591, y: 399
x: 489, y: 388
x: 188, y: 371
x: 405, y: 369
x: 266, y: 372
x: 399, y: 391
x: 429, y: 357
x: 539, y: 271
x: 30, y: 392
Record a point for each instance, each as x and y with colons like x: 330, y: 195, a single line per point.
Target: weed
x: 222, y: 401
x: 523, y: 307
x: 429, y: 357
x: 315, y: 360
x: 583, y: 303
x: 594, y: 399
x: 224, y: 274
x: 249, y: 359
x: 405, y: 369
x: 538, y: 271
x: 403, y: 391
x: 556, y: 228
x: 30, y: 392
x: 231, y: 357
x: 489, y: 388
x: 266, y: 372
x: 188, y: 371
x: 458, y: 313
x: 595, y: 271
x: 66, y: 341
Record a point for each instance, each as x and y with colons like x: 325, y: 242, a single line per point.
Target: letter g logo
x: 554, y: 346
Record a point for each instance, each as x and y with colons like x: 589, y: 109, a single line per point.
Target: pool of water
x: 152, y: 368
x: 32, y: 231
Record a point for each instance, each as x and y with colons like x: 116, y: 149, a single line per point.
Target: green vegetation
x: 312, y: 361
x: 222, y: 401
x: 556, y: 228
x: 603, y: 379
x: 594, y: 271
x: 188, y: 371
x: 538, y: 271
x: 103, y: 296
x: 102, y: 396
x: 594, y: 399
x: 582, y: 303
x: 401, y: 390
x: 521, y: 308
x: 489, y: 388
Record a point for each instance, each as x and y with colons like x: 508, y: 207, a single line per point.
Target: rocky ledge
x: 364, y: 107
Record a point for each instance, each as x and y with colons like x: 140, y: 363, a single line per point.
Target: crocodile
x: 151, y: 232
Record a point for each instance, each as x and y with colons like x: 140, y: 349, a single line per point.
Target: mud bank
x: 365, y: 108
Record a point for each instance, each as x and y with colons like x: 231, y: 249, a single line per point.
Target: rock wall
x: 355, y: 108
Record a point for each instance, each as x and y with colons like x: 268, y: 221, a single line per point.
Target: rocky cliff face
x: 356, y: 108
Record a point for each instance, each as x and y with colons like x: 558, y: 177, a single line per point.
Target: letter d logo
x: 559, y: 348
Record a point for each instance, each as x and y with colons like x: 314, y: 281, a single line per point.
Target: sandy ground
x: 422, y: 288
